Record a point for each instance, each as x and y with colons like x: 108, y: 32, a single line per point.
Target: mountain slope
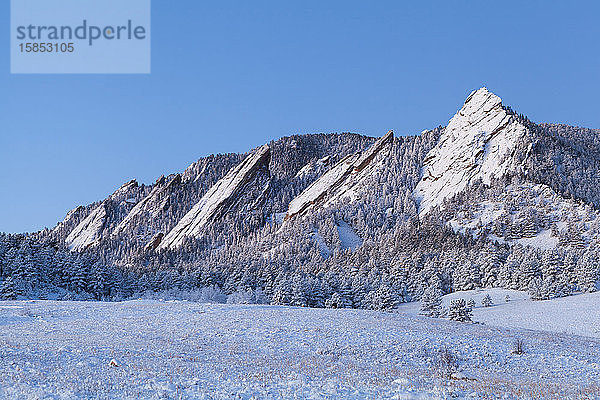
x: 339, y: 176
x: 151, y: 204
x: 498, y: 175
x: 89, y: 231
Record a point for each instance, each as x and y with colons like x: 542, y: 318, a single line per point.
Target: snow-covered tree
x: 487, y: 300
x: 7, y: 289
x: 459, y: 311
x: 471, y: 303
x: 383, y: 299
x: 431, y: 302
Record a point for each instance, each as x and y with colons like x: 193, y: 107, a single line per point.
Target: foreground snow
x: 147, y: 349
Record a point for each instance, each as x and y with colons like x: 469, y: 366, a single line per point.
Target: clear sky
x: 228, y: 76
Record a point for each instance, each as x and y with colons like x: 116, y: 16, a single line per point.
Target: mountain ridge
x: 492, y: 199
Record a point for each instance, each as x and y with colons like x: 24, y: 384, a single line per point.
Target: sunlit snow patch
x: 348, y: 238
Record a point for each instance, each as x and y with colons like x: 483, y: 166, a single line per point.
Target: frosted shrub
x: 240, y: 297
x: 445, y: 362
x: 518, y: 347
x: 211, y: 294
x: 248, y: 296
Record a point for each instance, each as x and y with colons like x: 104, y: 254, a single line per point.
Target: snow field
x: 183, y: 350
x: 572, y: 315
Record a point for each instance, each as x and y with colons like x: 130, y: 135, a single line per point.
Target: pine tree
x: 317, y: 298
x: 487, y: 301
x: 282, y: 294
x: 18, y: 273
x: 7, y: 290
x: 299, y: 292
x: 383, y: 299
x: 471, y: 303
x: 528, y: 226
x: 588, y: 272
x: 431, y: 302
x: 466, y: 276
x: 78, y: 282
x: 490, y: 266
x: 528, y: 270
x: 334, y: 301
x: 346, y: 294
x: 459, y: 311
x: 539, y: 289
x: 550, y: 264
x: 97, y: 285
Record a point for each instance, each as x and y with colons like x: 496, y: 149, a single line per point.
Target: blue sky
x: 230, y: 75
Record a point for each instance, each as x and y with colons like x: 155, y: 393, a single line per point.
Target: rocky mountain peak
x: 479, y: 143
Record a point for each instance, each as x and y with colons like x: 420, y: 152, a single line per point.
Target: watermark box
x: 80, y: 36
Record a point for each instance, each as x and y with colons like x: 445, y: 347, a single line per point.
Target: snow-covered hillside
x: 530, y: 215
x: 181, y: 350
x: 478, y: 144
x: 572, y: 315
x: 349, y: 240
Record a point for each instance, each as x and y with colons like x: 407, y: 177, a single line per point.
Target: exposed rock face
x: 217, y: 199
x: 338, y: 177
x: 151, y: 205
x: 70, y: 220
x: 155, y: 242
x: 478, y: 143
x: 367, y: 156
x: 89, y: 231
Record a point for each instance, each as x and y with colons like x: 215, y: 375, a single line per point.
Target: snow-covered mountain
x: 484, y: 147
x: 344, y: 219
x: 178, y: 206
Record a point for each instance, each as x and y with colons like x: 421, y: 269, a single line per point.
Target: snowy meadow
x: 184, y: 350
